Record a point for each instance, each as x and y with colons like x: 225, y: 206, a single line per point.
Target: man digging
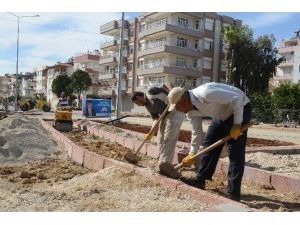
x: 156, y: 101
x: 230, y: 109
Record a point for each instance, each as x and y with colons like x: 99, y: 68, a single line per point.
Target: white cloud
x: 52, y: 34
x: 267, y: 19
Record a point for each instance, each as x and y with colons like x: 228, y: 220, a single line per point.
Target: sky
x: 54, y: 37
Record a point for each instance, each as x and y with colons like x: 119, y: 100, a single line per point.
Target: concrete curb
x: 97, y: 162
x: 280, y: 183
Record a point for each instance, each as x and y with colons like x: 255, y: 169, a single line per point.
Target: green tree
x: 62, y: 83
x: 80, y: 82
x: 250, y: 63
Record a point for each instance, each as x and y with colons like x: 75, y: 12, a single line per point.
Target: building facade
x: 41, y: 80
x: 164, y: 48
x: 289, y: 70
x: 52, y: 73
x: 89, y: 62
x: 28, y: 85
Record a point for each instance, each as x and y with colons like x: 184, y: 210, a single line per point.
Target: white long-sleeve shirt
x: 215, y: 100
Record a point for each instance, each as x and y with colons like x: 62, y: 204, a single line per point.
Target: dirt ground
x: 59, y: 184
x: 185, y: 136
x: 256, y: 196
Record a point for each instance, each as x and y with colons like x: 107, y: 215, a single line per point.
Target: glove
x: 235, y: 131
x: 147, y: 137
x: 187, y: 161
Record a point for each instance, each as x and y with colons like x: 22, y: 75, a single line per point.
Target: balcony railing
x: 167, y: 25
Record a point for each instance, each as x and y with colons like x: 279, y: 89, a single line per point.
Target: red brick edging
x: 97, y: 162
x: 281, y: 183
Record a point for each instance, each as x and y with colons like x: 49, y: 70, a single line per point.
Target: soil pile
x: 23, y: 140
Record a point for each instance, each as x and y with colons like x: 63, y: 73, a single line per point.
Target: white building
x: 52, y: 73
x: 289, y: 70
x: 41, y: 80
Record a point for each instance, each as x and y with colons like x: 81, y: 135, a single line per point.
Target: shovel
x: 214, y: 145
x: 132, y: 156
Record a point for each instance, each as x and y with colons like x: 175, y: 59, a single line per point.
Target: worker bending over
x: 229, y: 108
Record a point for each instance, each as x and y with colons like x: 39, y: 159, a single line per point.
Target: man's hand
x: 147, y: 137
x: 187, y: 161
x: 235, y: 131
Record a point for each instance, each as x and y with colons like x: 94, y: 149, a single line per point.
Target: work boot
x: 233, y: 197
x: 194, y: 181
x: 168, y: 170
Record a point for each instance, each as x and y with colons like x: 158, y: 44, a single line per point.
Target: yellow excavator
x: 39, y: 102
x: 63, y: 117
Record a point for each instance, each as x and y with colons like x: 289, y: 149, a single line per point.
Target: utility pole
x: 119, y: 96
x: 17, y: 64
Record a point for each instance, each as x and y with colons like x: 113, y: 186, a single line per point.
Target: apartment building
x: 52, y: 73
x: 4, y: 86
x: 41, y: 80
x: 164, y: 47
x: 28, y: 85
x: 89, y: 62
x: 289, y: 70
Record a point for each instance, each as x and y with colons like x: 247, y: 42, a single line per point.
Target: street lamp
x: 17, y: 65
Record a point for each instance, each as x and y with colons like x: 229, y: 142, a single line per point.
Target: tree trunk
x: 78, y: 100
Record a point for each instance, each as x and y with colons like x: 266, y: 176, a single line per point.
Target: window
x: 178, y: 81
x: 180, y: 63
x: 205, y: 79
x: 130, y: 32
x: 129, y: 82
x: 197, y: 25
x: 156, y: 81
x: 130, y: 49
x: 195, y: 63
x: 209, y: 24
x: 207, y: 63
x: 208, y: 44
x: 194, y: 83
x: 196, y: 45
x: 182, y: 22
x: 130, y: 66
x: 182, y: 42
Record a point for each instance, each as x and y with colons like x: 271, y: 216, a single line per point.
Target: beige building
x: 289, y: 70
x: 41, y: 80
x: 89, y: 62
x: 164, y: 47
x: 52, y: 73
x: 4, y: 86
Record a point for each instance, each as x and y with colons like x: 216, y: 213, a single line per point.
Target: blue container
x: 96, y: 107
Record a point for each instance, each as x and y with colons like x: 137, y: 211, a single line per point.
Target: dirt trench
x: 260, y: 197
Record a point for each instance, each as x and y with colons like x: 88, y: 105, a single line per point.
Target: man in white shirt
x: 229, y: 108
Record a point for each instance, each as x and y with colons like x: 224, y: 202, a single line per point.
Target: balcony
x: 284, y: 77
x: 168, y: 69
x: 112, y: 27
x: 160, y: 26
x: 287, y: 63
x: 107, y: 59
x: 109, y: 44
x: 166, y: 47
x: 286, y: 49
x: 112, y: 75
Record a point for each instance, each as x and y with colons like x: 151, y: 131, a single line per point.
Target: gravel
x: 23, y: 140
x: 110, y: 189
x: 284, y: 164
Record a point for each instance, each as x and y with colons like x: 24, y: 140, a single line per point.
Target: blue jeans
x: 236, y: 152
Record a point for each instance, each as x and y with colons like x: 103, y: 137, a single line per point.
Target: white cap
x: 174, y: 96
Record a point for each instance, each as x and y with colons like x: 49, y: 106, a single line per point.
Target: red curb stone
x: 129, y: 143
x: 93, y: 161
x: 202, y: 195
x: 285, y: 184
x: 120, y: 140
x: 153, y: 151
x: 112, y: 137
x: 111, y: 162
x: 257, y: 176
x: 78, y: 154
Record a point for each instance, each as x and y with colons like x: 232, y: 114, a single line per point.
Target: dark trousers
x: 236, y: 152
